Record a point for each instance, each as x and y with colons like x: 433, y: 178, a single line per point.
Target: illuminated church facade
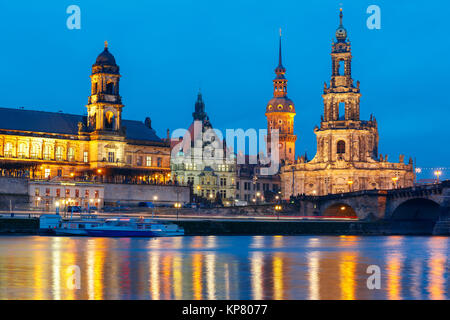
x: 44, y: 145
x: 347, y: 156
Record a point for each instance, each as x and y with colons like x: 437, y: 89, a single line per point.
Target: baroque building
x: 280, y: 113
x: 347, y: 156
x: 201, y: 159
x: 100, y: 145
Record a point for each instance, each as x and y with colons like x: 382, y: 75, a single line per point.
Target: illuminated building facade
x: 200, y: 158
x: 347, y: 156
x: 102, y: 145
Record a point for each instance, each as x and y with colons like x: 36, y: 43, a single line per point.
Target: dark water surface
x: 224, y: 267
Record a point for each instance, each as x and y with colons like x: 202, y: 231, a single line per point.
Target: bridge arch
x: 340, y: 209
x: 417, y: 209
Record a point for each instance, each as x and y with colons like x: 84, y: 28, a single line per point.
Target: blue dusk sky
x: 166, y: 50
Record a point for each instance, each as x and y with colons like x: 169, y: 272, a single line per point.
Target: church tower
x: 280, y: 113
x: 342, y: 136
x: 105, y: 104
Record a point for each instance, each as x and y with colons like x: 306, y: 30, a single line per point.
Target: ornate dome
x: 280, y: 104
x: 105, y: 58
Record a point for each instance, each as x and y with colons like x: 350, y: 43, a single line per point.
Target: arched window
x: 109, y: 123
x: 8, y: 150
x: 110, y: 88
x: 94, y: 88
x: 59, y: 153
x: 22, y: 150
x: 71, y: 154
x: 35, y: 151
x: 340, y: 147
x: 47, y: 152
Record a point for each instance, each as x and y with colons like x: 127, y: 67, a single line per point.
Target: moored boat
x: 112, y: 227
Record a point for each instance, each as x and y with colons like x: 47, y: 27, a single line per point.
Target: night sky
x: 166, y: 50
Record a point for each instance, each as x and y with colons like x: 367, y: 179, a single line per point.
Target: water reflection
x: 218, y: 267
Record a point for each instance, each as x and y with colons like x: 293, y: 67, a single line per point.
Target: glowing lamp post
x: 437, y: 173
x: 277, y: 210
x: 177, y: 206
x: 394, y: 181
x: 350, y: 184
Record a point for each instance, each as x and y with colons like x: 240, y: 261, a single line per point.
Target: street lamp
x: 394, y: 180
x: 437, y: 173
x: 277, y: 210
x: 350, y: 183
x: 177, y: 205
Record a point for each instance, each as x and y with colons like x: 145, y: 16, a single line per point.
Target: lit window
x: 35, y: 151
x: 47, y: 173
x: 22, y: 150
x: 47, y: 150
x: 71, y: 154
x: 59, y: 153
x: 8, y: 149
x: 85, y: 157
x: 111, y: 157
x: 148, y: 161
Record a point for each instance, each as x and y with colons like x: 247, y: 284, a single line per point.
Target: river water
x: 224, y: 267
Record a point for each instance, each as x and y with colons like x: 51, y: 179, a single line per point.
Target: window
x: 237, y: 185
x: 340, y: 147
x: 22, y: 150
x: 47, y: 192
x: 47, y: 151
x: 59, y: 173
x: 59, y: 153
x: 47, y: 173
x: 148, y: 161
x: 8, y: 150
x: 71, y: 154
x: 223, y: 181
x: 77, y: 193
x: 129, y: 159
x: 96, y: 194
x: 159, y: 162
x: 85, y: 157
x: 58, y: 192
x: 139, y: 161
x: 111, y: 157
x: 86, y: 194
x: 67, y: 193
x: 35, y: 151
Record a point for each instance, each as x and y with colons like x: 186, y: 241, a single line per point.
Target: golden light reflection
x: 197, y: 266
x: 177, y: 277
x: 394, y: 267
x: 394, y: 276
x: 256, y: 274
x: 347, y: 269
x: 277, y: 241
x: 277, y: 265
x: 38, y: 275
x: 166, y: 275
x: 437, y: 266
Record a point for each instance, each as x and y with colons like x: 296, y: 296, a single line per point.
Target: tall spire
x: 341, y: 33
x: 280, y: 64
x: 280, y: 82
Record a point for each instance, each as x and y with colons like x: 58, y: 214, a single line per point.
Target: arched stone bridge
x: 424, y: 202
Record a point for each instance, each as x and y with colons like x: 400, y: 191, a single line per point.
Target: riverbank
x: 263, y: 227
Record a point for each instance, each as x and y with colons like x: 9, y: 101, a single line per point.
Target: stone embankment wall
x: 14, y: 193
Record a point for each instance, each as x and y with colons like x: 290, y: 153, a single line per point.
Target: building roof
x: 64, y: 123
